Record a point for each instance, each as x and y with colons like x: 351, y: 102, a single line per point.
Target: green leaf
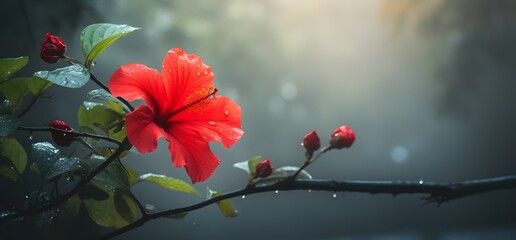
x: 14, y: 89
x: 249, y: 165
x: 98, y: 37
x: 114, y: 176
x: 9, y: 66
x: 74, y: 76
x: 114, y: 211
x: 94, y: 192
x: 170, y: 183
x: 94, y: 115
x: 8, y: 124
x: 52, y: 165
x: 126, y: 207
x: 282, y: 173
x: 9, y: 172
x: 13, y: 150
x: 113, y: 103
x: 225, y: 206
x: 38, y: 85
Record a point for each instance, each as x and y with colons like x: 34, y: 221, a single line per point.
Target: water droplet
x: 198, y: 74
x: 30, y: 137
x: 170, y: 71
x: 309, y: 190
x: 205, y: 72
x: 198, y: 65
x: 420, y: 181
x: 12, y: 168
x: 334, y: 195
x: 226, y: 112
x: 243, y: 196
x: 212, y: 123
x: 26, y: 197
x: 277, y: 191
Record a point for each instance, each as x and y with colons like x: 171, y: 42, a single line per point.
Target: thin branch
x: 438, y: 192
x: 125, y: 145
x: 77, y: 134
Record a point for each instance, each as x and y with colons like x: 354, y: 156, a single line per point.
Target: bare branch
x: 438, y: 192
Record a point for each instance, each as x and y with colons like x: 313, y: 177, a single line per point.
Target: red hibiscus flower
x: 181, y: 107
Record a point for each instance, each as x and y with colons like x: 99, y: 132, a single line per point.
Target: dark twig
x: 76, y: 134
x: 125, y: 145
x: 439, y: 192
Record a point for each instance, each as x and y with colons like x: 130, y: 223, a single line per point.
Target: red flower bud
x: 342, y: 137
x: 311, y: 142
x: 52, y: 49
x: 263, y: 169
x: 59, y: 137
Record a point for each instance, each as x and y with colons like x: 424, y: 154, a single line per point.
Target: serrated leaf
x: 249, y: 165
x: 9, y: 172
x: 74, y: 76
x: 170, y: 183
x: 9, y: 66
x: 98, y: 37
x: 225, y: 206
x: 106, y: 213
x: 8, y: 124
x: 14, y: 151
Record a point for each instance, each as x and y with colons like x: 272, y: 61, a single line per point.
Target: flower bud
x: 311, y: 142
x: 263, y: 169
x: 52, y: 49
x: 342, y: 137
x: 59, y: 137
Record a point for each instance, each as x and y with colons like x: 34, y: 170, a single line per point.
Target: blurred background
x: 428, y: 86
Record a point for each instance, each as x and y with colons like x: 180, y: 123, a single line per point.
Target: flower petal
x: 190, y: 150
x: 142, y: 131
x: 184, y: 76
x: 219, y: 121
x: 137, y: 81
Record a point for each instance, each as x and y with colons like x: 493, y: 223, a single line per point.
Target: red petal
x: 184, y: 75
x: 189, y: 149
x: 141, y: 130
x: 218, y: 121
x: 137, y: 81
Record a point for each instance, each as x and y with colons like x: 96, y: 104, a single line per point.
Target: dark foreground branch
x: 124, y: 145
x: 437, y: 192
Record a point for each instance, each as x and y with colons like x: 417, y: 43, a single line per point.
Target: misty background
x: 428, y: 86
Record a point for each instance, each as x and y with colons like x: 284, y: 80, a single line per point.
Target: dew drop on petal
x: 198, y: 74
x: 212, y: 123
x: 226, y: 112
x: 205, y: 72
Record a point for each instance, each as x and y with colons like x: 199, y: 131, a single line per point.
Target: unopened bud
x: 311, y: 141
x: 61, y: 138
x: 52, y: 49
x: 342, y: 137
x: 263, y: 169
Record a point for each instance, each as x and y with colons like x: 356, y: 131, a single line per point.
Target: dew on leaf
x: 420, y: 181
x: 277, y: 191
x: 334, y: 195
x: 243, y: 196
